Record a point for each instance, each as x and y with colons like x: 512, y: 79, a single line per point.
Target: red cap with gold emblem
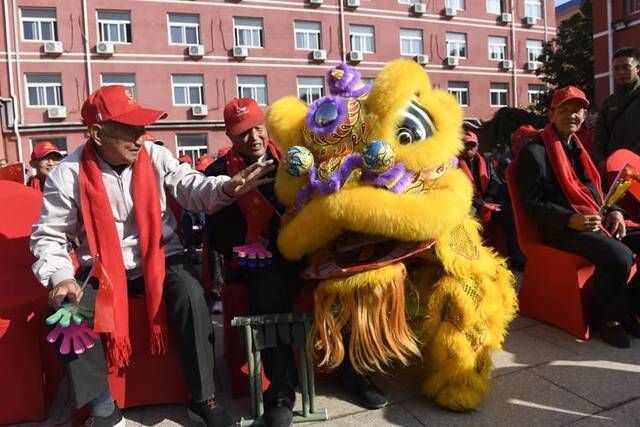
x: 203, y: 162
x: 44, y: 148
x: 242, y: 114
x: 115, y: 103
x: 185, y: 158
x: 568, y: 93
x: 470, y: 138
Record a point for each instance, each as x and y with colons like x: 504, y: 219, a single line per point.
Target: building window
x: 497, y: 48
x: 253, y: 87
x: 193, y: 145
x: 461, y: 91
x: 368, y: 80
x: 410, y: 42
x: 114, y: 26
x: 248, y: 32
x: 44, y: 90
x: 307, y: 35
x: 39, y: 24
x: 456, y: 4
x: 126, y: 80
x: 534, y: 93
x: 534, y: 50
x: 457, y: 45
x: 499, y: 94
x: 188, y: 89
x: 633, y: 6
x: 362, y: 38
x: 184, y: 29
x: 409, y: 1
x: 60, y: 142
x: 533, y: 8
x: 310, y: 89
x: 494, y: 6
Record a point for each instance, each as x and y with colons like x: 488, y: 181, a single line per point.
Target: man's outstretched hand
x: 248, y: 179
x: 67, y: 289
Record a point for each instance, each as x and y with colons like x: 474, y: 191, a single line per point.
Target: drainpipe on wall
x: 544, y: 16
x: 87, y: 52
x: 609, y: 44
x: 342, y: 43
x: 19, y: 79
x: 514, y: 76
x: 12, y: 94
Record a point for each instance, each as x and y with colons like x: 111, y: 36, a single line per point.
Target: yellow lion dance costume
x: 383, y: 214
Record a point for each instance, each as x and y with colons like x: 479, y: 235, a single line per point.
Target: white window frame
x: 415, y: 36
x: 491, y: 6
x: 409, y: 1
x: 310, y: 92
x: 307, y: 35
x: 183, y: 29
x: 253, y: 89
x: 187, y: 88
x: 456, y: 44
x: 533, y: 8
x: 42, y: 92
x: 530, y: 49
x: 502, y: 91
x: 193, y: 151
x: 460, y: 92
x: 534, y: 90
x: 455, y: 4
x: 498, y: 48
x: 361, y: 38
x: 130, y: 86
x: 252, y: 29
x: 121, y: 23
x: 632, y: 6
x: 39, y: 22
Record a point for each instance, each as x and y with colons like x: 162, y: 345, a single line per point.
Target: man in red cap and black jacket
x: 111, y: 195
x: 560, y: 188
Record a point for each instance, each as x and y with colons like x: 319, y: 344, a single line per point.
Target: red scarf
x: 103, y: 239
x: 578, y: 194
x: 36, y: 184
x: 483, y: 172
x: 257, y: 211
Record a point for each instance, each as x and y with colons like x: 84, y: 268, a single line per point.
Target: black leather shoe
x: 209, y: 413
x: 114, y: 420
x: 363, y: 389
x: 632, y: 326
x: 614, y: 334
x: 279, y: 413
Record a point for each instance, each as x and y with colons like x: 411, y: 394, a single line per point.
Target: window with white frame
x: 310, y: 89
x: 253, y: 87
x: 494, y: 6
x: 457, y: 45
x: 533, y: 8
x: 456, y: 4
x: 461, y: 91
x: 60, y: 142
x: 409, y: 1
x: 534, y: 50
x: 184, y: 29
x: 188, y: 89
x: 114, y: 26
x: 38, y: 24
x: 534, y: 93
x: 633, y: 6
x: 410, y: 42
x: 193, y: 145
x: 307, y: 35
x: 497, y: 48
x: 248, y: 32
x: 362, y: 38
x: 124, y: 79
x: 499, y: 93
x: 44, y: 90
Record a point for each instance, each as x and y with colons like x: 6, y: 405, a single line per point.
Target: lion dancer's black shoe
x: 366, y: 393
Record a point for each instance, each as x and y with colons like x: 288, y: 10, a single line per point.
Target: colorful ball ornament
x: 298, y: 160
x: 378, y: 157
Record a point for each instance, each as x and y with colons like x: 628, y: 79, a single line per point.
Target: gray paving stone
x: 622, y: 416
x: 393, y: 415
x: 522, y: 322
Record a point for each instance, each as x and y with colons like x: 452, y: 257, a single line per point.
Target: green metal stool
x: 268, y: 331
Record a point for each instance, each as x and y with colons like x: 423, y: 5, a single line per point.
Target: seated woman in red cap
x: 560, y: 188
x: 44, y: 159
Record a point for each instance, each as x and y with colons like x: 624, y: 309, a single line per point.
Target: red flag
x: 104, y: 315
x: 13, y: 172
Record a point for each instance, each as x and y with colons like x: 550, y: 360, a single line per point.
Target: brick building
x: 567, y: 10
x: 190, y: 57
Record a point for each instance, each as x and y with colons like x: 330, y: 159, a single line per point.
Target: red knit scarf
x: 481, y: 187
x: 257, y: 211
x: 578, y: 194
x: 103, y: 239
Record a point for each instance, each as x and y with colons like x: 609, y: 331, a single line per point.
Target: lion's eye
x: 416, y: 125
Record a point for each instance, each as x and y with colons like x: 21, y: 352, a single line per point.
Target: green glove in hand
x: 68, y: 312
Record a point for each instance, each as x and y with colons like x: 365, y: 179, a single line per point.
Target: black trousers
x: 613, y: 260
x: 189, y: 319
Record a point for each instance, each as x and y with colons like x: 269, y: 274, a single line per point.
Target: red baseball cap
x: 523, y: 132
x: 185, y: 158
x: 203, y: 162
x: 242, y: 114
x: 43, y: 148
x: 115, y: 103
x: 470, y: 138
x: 568, y: 93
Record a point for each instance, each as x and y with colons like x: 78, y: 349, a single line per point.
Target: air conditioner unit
x: 530, y: 21
x: 199, y: 110
x: 452, y: 61
x: 57, y: 112
x: 450, y: 12
x: 506, y: 64
x: 532, y: 65
x: 196, y: 50
x: 422, y: 59
x: 355, y: 56
x: 240, y: 52
x: 53, y: 47
x: 105, y: 48
x: 353, y: 3
x: 419, y: 8
x: 315, y: 2
x: 319, y: 55
x: 506, y: 18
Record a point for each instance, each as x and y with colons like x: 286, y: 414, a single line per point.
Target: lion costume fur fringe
x: 464, y: 291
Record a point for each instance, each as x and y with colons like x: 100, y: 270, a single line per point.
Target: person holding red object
x: 44, y: 159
